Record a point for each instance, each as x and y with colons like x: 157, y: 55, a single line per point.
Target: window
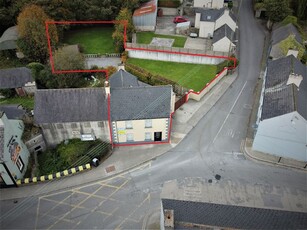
x: 148, y: 123
x: 46, y: 126
x: 129, y: 125
x: 20, y: 164
x: 100, y: 124
x: 147, y: 136
x: 74, y: 125
x: 129, y: 137
x: 87, y: 124
x: 60, y: 126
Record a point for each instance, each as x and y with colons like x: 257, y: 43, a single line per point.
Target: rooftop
x: 223, y: 31
x: 211, y: 15
x: 8, y: 38
x: 279, y: 97
x: 70, y: 105
x: 146, y: 8
x: 15, y: 77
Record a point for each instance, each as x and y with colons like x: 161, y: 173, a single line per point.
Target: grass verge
x: 92, y: 40
x: 146, y: 38
x: 190, y: 76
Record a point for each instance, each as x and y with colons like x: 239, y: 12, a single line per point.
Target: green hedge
x: 146, y: 77
x: 169, y: 3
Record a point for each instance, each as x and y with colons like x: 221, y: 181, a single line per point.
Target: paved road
x: 131, y: 200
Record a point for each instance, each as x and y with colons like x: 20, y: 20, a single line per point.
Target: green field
x: 93, y: 40
x: 146, y: 38
x: 191, y: 76
x: 27, y: 102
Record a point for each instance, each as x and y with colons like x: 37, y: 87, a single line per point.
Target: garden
x: 146, y: 38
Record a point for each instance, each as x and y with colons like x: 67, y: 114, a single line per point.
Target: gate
x: 180, y: 102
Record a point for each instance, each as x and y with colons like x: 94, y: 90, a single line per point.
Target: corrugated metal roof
x: 9, y: 38
x: 146, y: 8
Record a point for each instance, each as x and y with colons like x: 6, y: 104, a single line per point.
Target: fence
x: 102, y: 55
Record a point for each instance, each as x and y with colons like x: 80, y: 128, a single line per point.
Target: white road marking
x: 234, y: 104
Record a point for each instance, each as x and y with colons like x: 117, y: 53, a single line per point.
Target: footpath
x: 127, y: 158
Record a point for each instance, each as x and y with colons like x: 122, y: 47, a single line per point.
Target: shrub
x: 169, y: 3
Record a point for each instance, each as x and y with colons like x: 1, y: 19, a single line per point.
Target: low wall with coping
x: 198, y: 95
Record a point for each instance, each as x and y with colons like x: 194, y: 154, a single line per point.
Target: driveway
x: 198, y: 43
x: 165, y: 25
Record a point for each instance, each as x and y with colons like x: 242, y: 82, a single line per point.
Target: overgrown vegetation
x: 71, y: 154
x: 169, y: 3
x: 26, y: 102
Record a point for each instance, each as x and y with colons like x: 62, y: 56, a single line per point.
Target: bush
x: 169, y: 3
x: 8, y: 93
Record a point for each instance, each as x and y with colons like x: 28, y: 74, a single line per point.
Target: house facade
x: 72, y: 113
x: 209, y: 20
x: 140, y: 113
x: 19, y: 79
x: 282, y: 116
x: 14, y: 155
x: 212, y: 4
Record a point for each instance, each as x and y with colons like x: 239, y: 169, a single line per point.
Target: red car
x: 179, y: 19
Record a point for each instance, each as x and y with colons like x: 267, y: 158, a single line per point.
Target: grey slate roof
x: 231, y: 216
x: 1, y: 139
x: 14, y: 112
x: 141, y: 103
x: 70, y: 105
x: 211, y: 15
x: 123, y: 79
x: 281, y: 33
x: 8, y: 39
x: 280, y: 98
x: 223, y: 31
x: 15, y: 77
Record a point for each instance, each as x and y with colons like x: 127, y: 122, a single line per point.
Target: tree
x: 68, y: 58
x: 33, y: 39
x: 277, y: 10
x: 118, y: 35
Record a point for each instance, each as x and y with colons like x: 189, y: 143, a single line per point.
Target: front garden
x: 71, y: 153
x: 146, y: 38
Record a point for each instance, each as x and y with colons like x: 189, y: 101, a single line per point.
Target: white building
x: 223, y: 39
x: 213, y: 4
x: 209, y: 20
x: 282, y: 116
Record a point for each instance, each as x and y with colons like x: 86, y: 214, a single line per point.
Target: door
x: 158, y: 136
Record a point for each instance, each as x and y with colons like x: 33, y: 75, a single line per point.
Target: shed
x: 145, y: 17
x: 9, y: 38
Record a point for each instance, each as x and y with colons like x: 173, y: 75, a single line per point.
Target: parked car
x: 179, y: 19
x: 193, y: 35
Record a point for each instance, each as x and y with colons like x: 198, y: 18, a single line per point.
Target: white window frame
x: 129, y: 137
x: 148, y: 123
x: 146, y: 136
x: 129, y: 125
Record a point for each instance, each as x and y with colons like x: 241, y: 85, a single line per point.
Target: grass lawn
x: 191, y: 76
x: 93, y: 40
x: 146, y: 37
x: 27, y: 102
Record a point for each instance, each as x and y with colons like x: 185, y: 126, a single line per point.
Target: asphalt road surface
x: 132, y: 200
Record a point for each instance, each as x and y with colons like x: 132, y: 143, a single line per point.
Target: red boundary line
x: 47, y: 23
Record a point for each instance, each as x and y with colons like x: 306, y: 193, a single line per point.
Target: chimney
x: 168, y: 219
x: 292, y: 52
x: 121, y: 67
x: 295, y: 79
x: 107, y: 87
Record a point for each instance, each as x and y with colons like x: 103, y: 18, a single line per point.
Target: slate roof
x: 223, y: 31
x: 281, y: 33
x: 15, y: 77
x: 8, y: 39
x: 14, y: 112
x: 1, y: 138
x: 231, y: 216
x: 280, y: 98
x: 70, y: 105
x: 211, y: 15
x: 123, y: 79
x: 141, y: 103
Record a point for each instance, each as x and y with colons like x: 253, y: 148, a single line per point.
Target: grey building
x: 9, y: 38
x: 19, y: 79
x: 72, y: 113
x: 145, y: 17
x: 279, y: 35
x: 223, y: 39
x: 282, y: 115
